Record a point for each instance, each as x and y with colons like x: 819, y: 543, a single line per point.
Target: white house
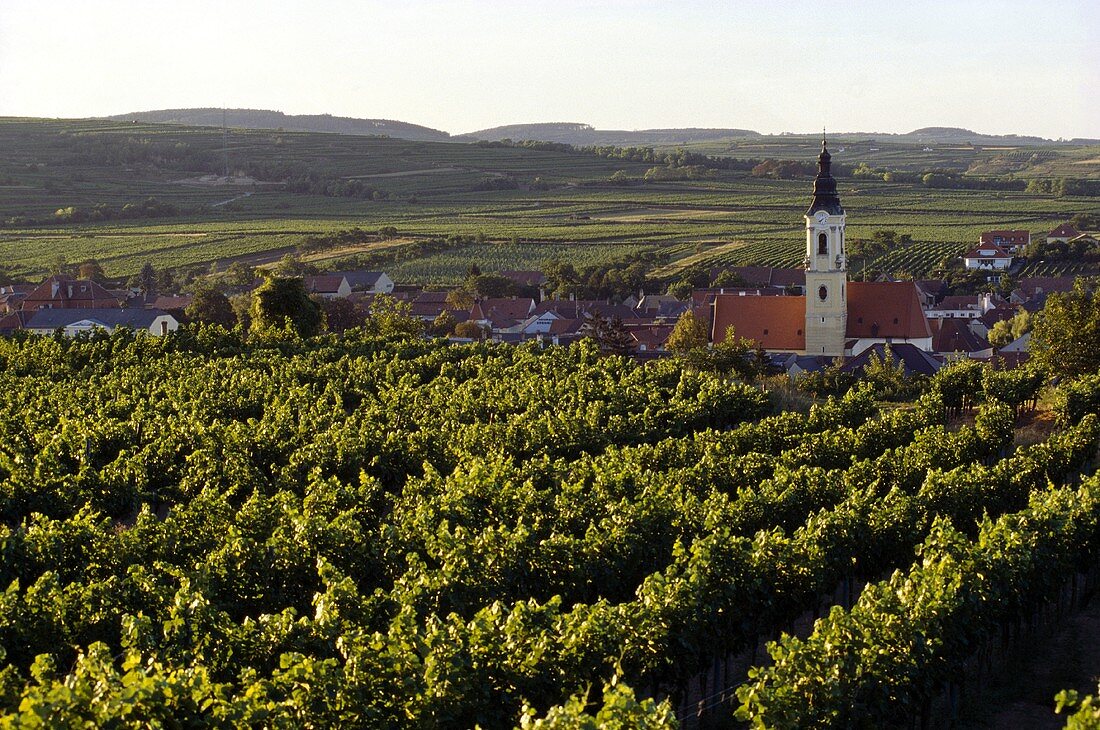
x: 373, y: 282
x: 74, y: 321
x: 334, y: 286
x: 988, y: 257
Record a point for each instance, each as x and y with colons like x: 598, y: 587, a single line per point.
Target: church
x: 836, y: 317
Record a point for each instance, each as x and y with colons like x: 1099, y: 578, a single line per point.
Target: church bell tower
x: 826, y: 265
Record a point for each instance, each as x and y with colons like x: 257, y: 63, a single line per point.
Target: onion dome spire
x: 825, y: 195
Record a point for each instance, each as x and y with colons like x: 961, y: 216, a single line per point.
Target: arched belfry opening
x: 822, y: 245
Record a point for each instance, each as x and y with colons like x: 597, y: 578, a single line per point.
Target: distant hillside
x: 958, y: 134
x: 264, y: 119
x: 585, y: 134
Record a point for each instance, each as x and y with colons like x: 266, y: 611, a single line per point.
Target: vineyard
x: 361, y: 532
x: 441, y: 189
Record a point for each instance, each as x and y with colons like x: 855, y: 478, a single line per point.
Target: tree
x: 210, y: 306
x: 1007, y: 330
x: 147, y: 278
x: 91, y: 269
x: 390, y: 317
x: 242, y: 309
x: 728, y: 278
x: 341, y: 314
x: 680, y: 289
x: 471, y: 330
x: 459, y: 299
x: 280, y: 301
x: 689, y: 334
x: 1066, y: 337
x: 733, y: 354
x: 491, y: 285
x: 610, y: 335
x: 292, y: 266
x: 239, y: 273
x: 887, y: 375
x: 443, y: 325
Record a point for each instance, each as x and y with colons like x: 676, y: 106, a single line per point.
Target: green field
x: 559, y: 202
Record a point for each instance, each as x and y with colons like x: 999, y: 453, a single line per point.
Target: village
x: 799, y: 320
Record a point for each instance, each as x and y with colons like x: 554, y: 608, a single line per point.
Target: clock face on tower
x: 822, y: 216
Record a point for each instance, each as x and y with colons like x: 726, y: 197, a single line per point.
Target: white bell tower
x: 826, y: 265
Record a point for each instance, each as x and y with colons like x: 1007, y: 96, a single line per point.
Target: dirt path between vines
x: 1024, y: 698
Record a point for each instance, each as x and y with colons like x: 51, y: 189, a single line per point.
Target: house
x: 774, y: 323
x: 650, y: 337
x: 1010, y: 241
x: 914, y: 360
x: 541, y: 317
x: 885, y: 312
x: 427, y: 305
x: 170, y: 302
x: 930, y: 291
x: 74, y: 321
x: 1063, y: 234
x: 1035, y: 288
x: 503, y: 315
x: 375, y: 282
x: 12, y: 296
x: 328, y: 286
x: 14, y: 321
x: 651, y: 303
x: 987, y: 256
x: 956, y: 307
x: 65, y: 292
x: 954, y: 339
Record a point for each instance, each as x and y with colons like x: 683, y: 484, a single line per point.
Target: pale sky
x: 1017, y: 66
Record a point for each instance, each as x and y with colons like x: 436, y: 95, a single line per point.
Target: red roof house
x: 1063, y: 233
x: 64, y: 292
x: 1011, y: 241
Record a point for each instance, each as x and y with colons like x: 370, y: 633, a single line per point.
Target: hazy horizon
x: 995, y: 68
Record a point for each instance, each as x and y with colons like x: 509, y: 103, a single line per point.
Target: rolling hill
x: 265, y: 119
x: 584, y: 134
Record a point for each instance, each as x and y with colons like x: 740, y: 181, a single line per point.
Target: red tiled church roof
x: 774, y: 323
x: 888, y: 309
x: 885, y: 309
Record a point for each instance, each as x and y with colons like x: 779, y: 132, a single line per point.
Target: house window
x: 823, y: 292
x: 765, y: 332
x: 822, y: 245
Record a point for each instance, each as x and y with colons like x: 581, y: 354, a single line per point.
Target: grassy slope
x: 52, y: 164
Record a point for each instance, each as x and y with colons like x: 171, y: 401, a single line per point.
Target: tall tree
x: 1065, y: 339
x: 210, y: 306
x: 342, y: 314
x: 278, y: 301
x: 689, y: 333
x: 147, y: 278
